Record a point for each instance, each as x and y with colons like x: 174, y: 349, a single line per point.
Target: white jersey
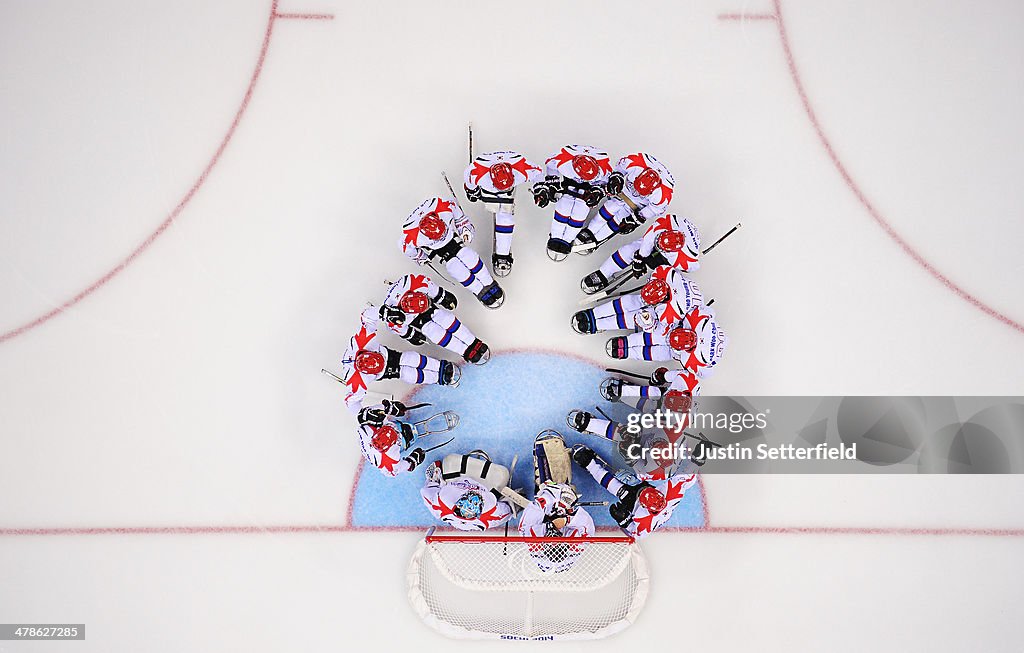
x: 409, y: 283
x: 643, y: 522
x: 444, y: 500
x: 686, y: 260
x: 485, y: 172
x: 417, y: 244
x: 656, y: 203
x: 364, y: 340
x: 711, y: 342
x: 565, y: 163
x: 556, y: 556
x: 388, y: 462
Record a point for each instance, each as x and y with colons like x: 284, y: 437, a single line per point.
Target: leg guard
x: 617, y: 314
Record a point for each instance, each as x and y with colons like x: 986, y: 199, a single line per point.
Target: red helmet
x: 678, y: 401
x: 671, y: 241
x: 585, y: 166
x: 414, y: 302
x: 651, y: 499
x: 664, y: 450
x: 502, y: 176
x: 432, y: 226
x: 384, y: 438
x: 369, y: 362
x: 682, y: 339
x: 654, y: 291
x: 646, y: 182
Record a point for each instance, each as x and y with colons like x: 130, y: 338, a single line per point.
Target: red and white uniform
x: 412, y: 367
x: 555, y: 557
x: 388, y: 461
x: 646, y: 194
x: 497, y: 175
x: 438, y: 324
x: 682, y: 383
x: 579, y: 167
x: 634, y: 311
x: 442, y: 498
x: 711, y: 343
x: 642, y: 521
x: 437, y: 228
x: 685, y: 259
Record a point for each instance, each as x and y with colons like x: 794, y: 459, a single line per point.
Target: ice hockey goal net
x: 480, y: 586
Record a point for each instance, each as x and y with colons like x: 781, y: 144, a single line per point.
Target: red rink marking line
x: 176, y: 211
x: 853, y: 185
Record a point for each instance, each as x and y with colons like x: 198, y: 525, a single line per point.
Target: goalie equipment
x: 551, y: 460
x: 469, y: 506
x: 651, y: 499
x: 611, y: 389
x: 414, y: 302
x: 583, y: 322
x: 433, y: 472
x: 476, y: 466
x: 502, y: 176
x: 616, y: 182
x: 654, y: 292
x: 682, y: 339
x: 384, y: 438
x: 568, y: 501
x: 671, y: 241
x: 492, y: 296
x: 477, y: 353
x: 369, y: 362
x: 432, y: 226
x: 502, y: 264
x: 646, y: 182
x: 594, y: 282
x: 578, y: 420
x: 617, y: 347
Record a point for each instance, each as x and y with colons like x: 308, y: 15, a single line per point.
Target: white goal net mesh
x: 530, y: 588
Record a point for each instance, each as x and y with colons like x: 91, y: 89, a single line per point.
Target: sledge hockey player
x: 464, y: 491
x: 492, y: 178
x: 635, y: 447
x: 574, y: 180
x: 438, y: 230
x: 383, y: 439
x: 417, y: 309
x: 672, y: 240
x: 640, y: 188
x: 696, y: 342
x: 555, y: 510
x: 366, y: 360
x: 670, y: 389
x: 645, y: 505
x: 662, y: 301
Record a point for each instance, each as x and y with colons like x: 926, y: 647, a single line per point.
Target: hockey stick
x: 471, y: 142
x: 369, y: 392
x: 438, y: 446
x: 625, y: 373
x: 605, y: 415
x: 727, y: 234
x: 592, y: 503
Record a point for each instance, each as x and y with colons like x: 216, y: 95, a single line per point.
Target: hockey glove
x: 542, y: 194
x: 616, y: 182
x: 394, y: 408
x: 447, y: 299
x: 473, y: 194
x: 658, y: 376
x: 638, y: 266
x: 392, y: 315
x: 371, y: 416
x: 592, y: 197
x: 416, y: 458
x: 414, y: 337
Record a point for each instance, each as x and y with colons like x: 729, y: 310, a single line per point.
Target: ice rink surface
x: 197, y: 198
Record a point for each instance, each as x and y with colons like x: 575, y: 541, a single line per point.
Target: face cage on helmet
x: 469, y: 506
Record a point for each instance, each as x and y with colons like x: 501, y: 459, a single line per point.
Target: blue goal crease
x: 502, y: 406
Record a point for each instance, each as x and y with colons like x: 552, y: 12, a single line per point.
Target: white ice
x: 185, y: 391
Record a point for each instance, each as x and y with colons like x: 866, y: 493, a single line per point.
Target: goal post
x: 470, y: 586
